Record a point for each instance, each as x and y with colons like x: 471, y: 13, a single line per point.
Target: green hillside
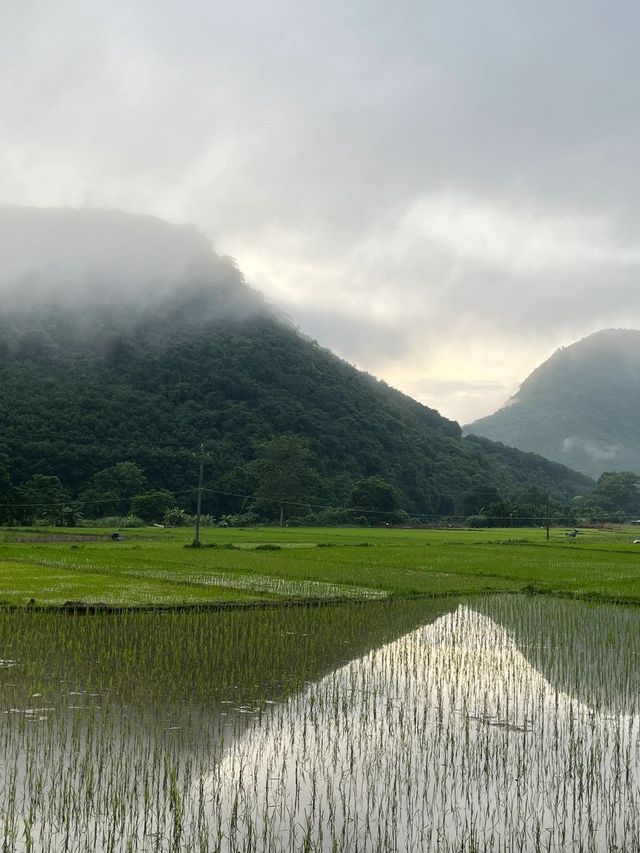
x: 581, y: 407
x: 97, y: 375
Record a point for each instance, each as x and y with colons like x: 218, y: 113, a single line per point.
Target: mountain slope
x: 581, y: 407
x: 112, y: 361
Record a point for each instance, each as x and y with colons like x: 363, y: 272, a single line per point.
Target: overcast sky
x: 441, y: 192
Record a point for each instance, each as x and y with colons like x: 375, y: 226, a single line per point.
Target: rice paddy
x: 483, y: 723
x: 428, y: 705
x: 153, y: 567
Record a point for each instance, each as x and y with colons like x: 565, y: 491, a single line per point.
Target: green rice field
x: 152, y: 566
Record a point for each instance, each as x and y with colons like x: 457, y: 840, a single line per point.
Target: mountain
x: 581, y: 407
x: 124, y: 338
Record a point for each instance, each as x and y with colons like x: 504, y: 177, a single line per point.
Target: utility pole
x: 547, y: 515
x: 196, y: 539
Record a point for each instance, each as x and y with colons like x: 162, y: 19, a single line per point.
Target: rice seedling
x: 490, y: 723
x: 242, y: 565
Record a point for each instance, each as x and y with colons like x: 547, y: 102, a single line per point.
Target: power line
x: 451, y: 517
x: 75, y: 502
x: 205, y: 488
x: 427, y: 516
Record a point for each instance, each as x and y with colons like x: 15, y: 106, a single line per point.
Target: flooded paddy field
x: 487, y: 723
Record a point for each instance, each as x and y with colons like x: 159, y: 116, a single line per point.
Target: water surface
x: 496, y: 723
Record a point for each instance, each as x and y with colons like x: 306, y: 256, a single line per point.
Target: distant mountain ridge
x: 581, y: 407
x: 106, y: 359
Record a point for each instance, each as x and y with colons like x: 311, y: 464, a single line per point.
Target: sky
x: 442, y: 193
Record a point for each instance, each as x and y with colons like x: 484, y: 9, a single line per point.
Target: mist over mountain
x: 125, y: 338
x: 84, y: 261
x: 581, y: 407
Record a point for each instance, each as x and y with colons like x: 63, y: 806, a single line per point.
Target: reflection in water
x: 589, y: 651
x: 382, y: 727
x: 444, y: 739
x: 105, y: 720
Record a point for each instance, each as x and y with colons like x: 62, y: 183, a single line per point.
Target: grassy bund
x: 153, y: 567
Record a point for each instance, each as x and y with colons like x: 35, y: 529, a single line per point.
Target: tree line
x: 281, y: 484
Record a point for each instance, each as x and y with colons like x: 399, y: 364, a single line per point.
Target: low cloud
x: 86, y: 260
x: 437, y: 191
x: 596, y: 451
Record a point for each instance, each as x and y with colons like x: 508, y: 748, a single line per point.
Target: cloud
x: 89, y: 260
x: 438, y: 191
x: 464, y: 397
x: 457, y: 290
x: 594, y: 450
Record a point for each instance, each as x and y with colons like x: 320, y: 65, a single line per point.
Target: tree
x: 125, y: 478
x: 5, y: 489
x: 529, y: 507
x: 376, y: 495
x: 152, y: 505
x: 5, y: 482
x: 43, y: 497
x: 478, y: 501
x: 109, y: 491
x: 283, y: 470
x: 619, y: 490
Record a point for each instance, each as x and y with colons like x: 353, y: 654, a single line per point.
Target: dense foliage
x: 282, y: 469
x: 581, y: 407
x: 615, y: 498
x: 115, y: 406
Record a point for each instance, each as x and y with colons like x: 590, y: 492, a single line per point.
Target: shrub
x: 177, y: 517
x: 152, y: 505
x: 121, y: 521
x: 479, y: 521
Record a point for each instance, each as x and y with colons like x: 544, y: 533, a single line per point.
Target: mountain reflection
x: 496, y: 723
x: 591, y: 652
x: 445, y: 738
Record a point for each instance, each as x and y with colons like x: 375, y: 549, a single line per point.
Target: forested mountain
x: 103, y: 363
x: 581, y: 407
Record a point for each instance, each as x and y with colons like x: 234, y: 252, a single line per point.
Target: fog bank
x: 86, y: 259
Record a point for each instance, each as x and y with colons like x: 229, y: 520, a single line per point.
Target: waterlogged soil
x: 500, y: 723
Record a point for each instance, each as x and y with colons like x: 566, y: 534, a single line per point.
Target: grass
x: 152, y: 566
